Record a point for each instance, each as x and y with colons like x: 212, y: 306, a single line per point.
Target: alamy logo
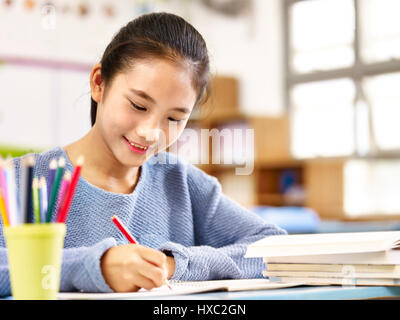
x: 348, y: 276
x: 233, y: 146
x: 48, y: 13
x: 49, y: 278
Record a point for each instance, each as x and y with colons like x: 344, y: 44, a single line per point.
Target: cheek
x: 173, y: 134
x: 118, y: 118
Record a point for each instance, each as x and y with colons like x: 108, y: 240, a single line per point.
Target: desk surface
x: 294, y: 293
x: 300, y: 293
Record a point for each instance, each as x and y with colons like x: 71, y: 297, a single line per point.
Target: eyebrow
x: 145, y: 96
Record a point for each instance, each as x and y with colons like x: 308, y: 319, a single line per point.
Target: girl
x: 152, y: 75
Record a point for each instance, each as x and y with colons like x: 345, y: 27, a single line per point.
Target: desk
x: 294, y: 293
x: 300, y: 293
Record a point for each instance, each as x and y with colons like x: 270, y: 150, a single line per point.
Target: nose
x: 149, y: 130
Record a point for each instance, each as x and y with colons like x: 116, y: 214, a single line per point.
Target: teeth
x: 135, y: 145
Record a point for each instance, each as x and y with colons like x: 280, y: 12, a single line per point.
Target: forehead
x: 162, y: 80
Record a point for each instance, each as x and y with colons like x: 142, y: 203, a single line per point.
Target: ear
x: 96, y: 83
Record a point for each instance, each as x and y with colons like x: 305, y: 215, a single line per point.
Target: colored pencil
x: 52, y: 174
x: 56, y: 186
x: 3, y: 186
x: 130, y: 237
x: 3, y: 210
x: 63, y: 190
x: 12, y: 193
x: 27, y: 196
x: 62, y: 216
x: 123, y: 229
x: 43, y: 199
x: 35, y: 199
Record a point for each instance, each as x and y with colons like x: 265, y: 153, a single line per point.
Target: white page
x: 182, y: 288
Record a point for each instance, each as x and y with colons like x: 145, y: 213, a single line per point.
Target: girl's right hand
x: 127, y: 268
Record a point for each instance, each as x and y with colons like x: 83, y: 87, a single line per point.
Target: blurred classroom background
x: 317, y: 81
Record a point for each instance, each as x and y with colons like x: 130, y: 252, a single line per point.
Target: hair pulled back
x: 157, y: 35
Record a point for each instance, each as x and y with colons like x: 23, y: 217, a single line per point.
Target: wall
x: 45, y: 94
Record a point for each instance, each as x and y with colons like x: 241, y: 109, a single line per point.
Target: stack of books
x: 360, y: 258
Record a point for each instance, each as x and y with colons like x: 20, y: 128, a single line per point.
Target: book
x: 332, y: 267
x: 347, y: 272
x: 183, y: 288
x: 359, y: 258
x: 389, y: 257
x: 324, y: 244
x: 337, y: 281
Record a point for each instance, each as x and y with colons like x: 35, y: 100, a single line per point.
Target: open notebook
x: 182, y: 288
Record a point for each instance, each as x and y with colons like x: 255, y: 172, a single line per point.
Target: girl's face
x: 147, y: 106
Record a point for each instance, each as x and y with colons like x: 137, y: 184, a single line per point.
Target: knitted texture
x: 175, y: 207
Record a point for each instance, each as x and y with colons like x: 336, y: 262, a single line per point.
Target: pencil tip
x: 53, y: 164
x: 67, y: 175
x: 30, y: 160
x: 8, y: 163
x: 80, y: 160
x: 35, y: 182
x: 61, y: 162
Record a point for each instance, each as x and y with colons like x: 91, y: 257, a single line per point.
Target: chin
x: 135, y: 160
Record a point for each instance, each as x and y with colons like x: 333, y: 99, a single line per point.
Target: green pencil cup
x: 34, y: 259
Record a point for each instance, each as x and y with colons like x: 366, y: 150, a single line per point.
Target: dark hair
x: 157, y: 35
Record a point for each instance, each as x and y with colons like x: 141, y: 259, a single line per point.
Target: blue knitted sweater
x: 175, y: 207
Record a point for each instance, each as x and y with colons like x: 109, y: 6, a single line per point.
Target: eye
x: 174, y: 120
x: 137, y: 107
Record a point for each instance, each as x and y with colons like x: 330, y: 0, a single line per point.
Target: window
x: 319, y: 109
x: 384, y: 96
x: 319, y: 42
x: 380, y: 30
x: 371, y: 187
x: 343, y: 68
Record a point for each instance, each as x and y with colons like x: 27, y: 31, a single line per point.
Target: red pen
x: 130, y: 237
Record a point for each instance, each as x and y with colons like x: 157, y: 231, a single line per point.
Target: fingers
x: 144, y: 282
x: 149, y: 268
x: 151, y: 272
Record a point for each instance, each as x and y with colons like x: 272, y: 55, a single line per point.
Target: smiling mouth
x: 136, y: 145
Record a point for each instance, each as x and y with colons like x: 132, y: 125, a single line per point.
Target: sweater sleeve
x: 223, y: 230
x: 80, y: 269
